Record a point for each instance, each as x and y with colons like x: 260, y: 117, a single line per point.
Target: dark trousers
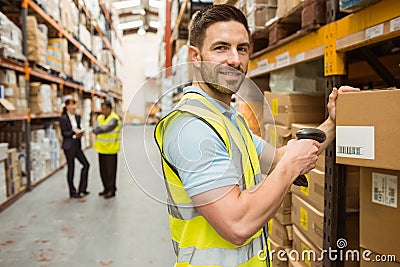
x: 108, y: 171
x: 76, y: 152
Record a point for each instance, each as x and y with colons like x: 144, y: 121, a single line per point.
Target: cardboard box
x: 314, y: 193
x: 279, y: 233
x: 308, y: 219
x: 277, y: 254
x: 283, y: 215
x: 277, y: 135
x: 370, y: 259
x: 368, y: 129
x: 295, y: 108
x: 12, y: 156
x: 302, y: 243
x: 380, y: 211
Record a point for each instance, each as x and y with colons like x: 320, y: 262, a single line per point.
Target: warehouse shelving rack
x: 371, y: 25
x: 32, y: 73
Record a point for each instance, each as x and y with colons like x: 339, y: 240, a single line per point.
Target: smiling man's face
x: 225, y: 56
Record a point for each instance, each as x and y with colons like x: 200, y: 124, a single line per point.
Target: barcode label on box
x: 355, y: 142
x: 374, y: 31
x: 384, y: 189
x: 395, y: 24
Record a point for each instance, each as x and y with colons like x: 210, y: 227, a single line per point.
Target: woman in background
x: 70, y: 124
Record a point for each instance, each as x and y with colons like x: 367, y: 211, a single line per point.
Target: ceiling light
x: 130, y: 24
x: 154, y: 24
x: 126, y: 4
x: 141, y: 31
x: 155, y: 3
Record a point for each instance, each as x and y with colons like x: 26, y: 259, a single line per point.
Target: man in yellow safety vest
x: 108, y: 139
x: 218, y: 199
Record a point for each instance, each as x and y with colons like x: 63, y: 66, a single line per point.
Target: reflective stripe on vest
x: 196, y: 243
x: 108, y: 143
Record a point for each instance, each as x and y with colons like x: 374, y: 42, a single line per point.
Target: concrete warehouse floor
x: 47, y: 228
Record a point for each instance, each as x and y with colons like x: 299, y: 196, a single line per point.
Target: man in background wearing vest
x: 107, y: 130
x: 218, y: 199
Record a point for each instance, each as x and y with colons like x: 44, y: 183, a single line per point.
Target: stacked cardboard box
x: 13, y: 173
x: 284, y: 7
x: 259, y: 12
x: 294, y: 108
x: 37, y: 41
x: 41, y: 97
x: 106, y: 58
x: 12, y: 91
x: 371, y: 142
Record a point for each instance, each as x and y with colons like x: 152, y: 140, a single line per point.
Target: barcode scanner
x: 308, y: 133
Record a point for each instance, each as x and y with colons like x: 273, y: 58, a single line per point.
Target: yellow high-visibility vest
x: 108, y: 143
x: 195, y: 241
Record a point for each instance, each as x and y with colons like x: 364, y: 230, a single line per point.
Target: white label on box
x: 374, y: 31
x: 263, y: 64
x: 395, y: 24
x: 282, y: 60
x: 300, y: 57
x: 384, y: 189
x: 355, y: 142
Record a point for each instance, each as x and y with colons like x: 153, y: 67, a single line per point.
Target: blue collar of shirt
x: 229, y: 113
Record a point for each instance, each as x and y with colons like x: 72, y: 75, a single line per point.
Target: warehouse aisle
x: 46, y: 228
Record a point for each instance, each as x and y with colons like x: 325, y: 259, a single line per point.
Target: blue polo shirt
x: 199, y: 155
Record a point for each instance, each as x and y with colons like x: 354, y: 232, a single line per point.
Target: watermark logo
x: 340, y: 254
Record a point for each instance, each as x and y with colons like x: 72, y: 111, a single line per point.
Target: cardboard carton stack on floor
x: 368, y: 136
x: 13, y: 172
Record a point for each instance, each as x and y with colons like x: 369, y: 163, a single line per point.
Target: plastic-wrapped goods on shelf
x: 10, y: 39
x: 51, y: 7
x: 304, y: 78
x: 41, y: 98
x: 70, y: 16
x: 85, y: 37
x: 85, y: 121
x: 101, y: 21
x: 37, y: 41
x: 88, y: 81
x: 3, y: 187
x: 97, y: 46
x: 78, y: 71
x: 107, y: 59
x: 93, y: 7
x: 54, y: 54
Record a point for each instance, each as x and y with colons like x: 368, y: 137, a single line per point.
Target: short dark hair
x: 107, y: 104
x: 212, y: 14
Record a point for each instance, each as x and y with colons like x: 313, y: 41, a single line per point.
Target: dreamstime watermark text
x: 339, y: 254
